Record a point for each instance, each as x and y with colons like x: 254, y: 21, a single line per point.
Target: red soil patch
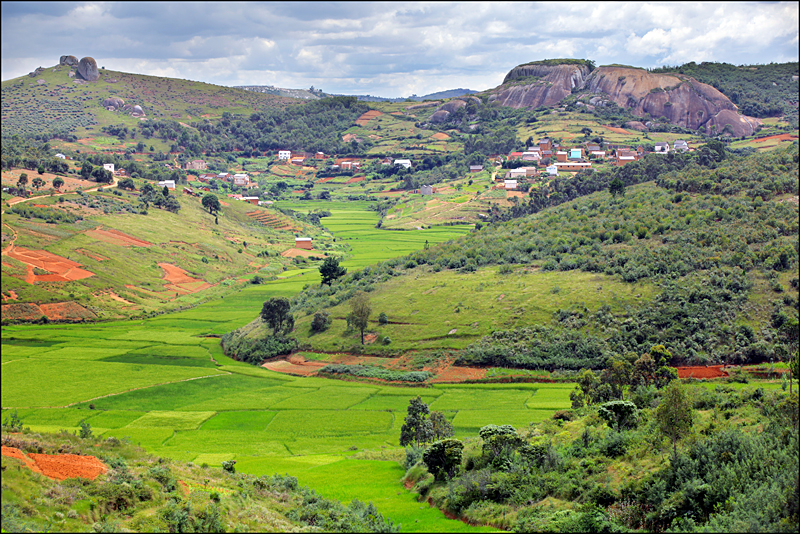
x: 86, y: 253
x: 117, y: 238
x: 297, y: 366
x: 368, y: 116
x: 780, y: 137
x: 66, y: 311
x: 178, y: 279
x: 518, y: 194
x: 617, y: 130
x: 292, y: 252
x: 323, y: 180
x: 63, y: 270
x: 11, y: 295
x: 59, y: 466
x: 440, y: 136
x: 459, y: 374
x: 354, y: 180
x: 711, y: 371
x: 348, y: 137
x: 370, y: 338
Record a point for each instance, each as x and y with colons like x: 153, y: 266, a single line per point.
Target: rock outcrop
x: 71, y: 61
x: 445, y: 110
x: 535, y: 84
x: 680, y: 99
x: 87, y: 68
x: 113, y: 103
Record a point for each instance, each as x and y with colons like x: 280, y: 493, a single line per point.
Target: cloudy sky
x: 387, y: 49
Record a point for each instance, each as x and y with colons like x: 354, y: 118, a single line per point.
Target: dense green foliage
x: 732, y: 476
x: 255, y: 351
x: 371, y: 371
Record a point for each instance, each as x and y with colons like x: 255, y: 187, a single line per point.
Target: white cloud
x: 392, y: 49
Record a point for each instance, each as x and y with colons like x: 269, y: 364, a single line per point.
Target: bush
x: 228, y: 466
x: 321, y: 321
x: 383, y: 318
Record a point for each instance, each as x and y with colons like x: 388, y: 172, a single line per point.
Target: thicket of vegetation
x: 371, y: 371
x: 730, y: 465
x: 141, y: 493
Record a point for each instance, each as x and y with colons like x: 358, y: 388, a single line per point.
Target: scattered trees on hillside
x: 58, y: 182
x: 421, y: 425
x: 674, y: 414
x: 37, y: 183
x: 22, y: 181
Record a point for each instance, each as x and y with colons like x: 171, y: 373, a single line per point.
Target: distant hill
x: 450, y: 93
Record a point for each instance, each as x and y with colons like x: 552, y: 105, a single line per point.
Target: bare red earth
x: 59, y: 466
x: 711, y: 371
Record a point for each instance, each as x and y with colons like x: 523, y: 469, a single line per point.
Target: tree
x: 586, y: 131
x: 23, y: 181
x: 58, y: 182
x: 165, y: 191
x: 619, y: 414
x: 330, y: 270
x: 616, y: 187
x: 86, y: 170
x: 211, y: 203
x: 125, y: 183
x: 321, y: 321
x: 359, y: 314
x: 102, y: 175
x: 276, y: 313
x: 416, y: 427
x: 674, y: 414
x: 40, y: 169
x: 443, y: 458
x: 38, y: 183
x: 440, y: 427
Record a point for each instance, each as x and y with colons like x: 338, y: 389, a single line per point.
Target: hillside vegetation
x: 144, y: 493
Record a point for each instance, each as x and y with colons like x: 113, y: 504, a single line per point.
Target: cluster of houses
x: 241, y: 180
x: 556, y: 158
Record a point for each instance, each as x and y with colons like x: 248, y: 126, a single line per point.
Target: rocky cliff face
x: 682, y: 100
x: 554, y: 83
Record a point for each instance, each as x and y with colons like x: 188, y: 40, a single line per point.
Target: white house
x: 404, y: 162
x: 552, y: 169
x: 169, y: 183
x: 426, y: 190
x: 109, y: 167
x: 265, y: 203
x: 662, y: 147
x: 681, y: 145
x: 241, y: 179
x: 510, y: 184
x: 517, y: 173
x: 61, y: 156
x: 284, y: 154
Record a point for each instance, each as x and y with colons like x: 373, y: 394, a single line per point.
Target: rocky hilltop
x: 541, y: 83
x: 680, y: 99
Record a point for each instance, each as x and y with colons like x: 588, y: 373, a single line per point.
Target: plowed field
x: 59, y: 466
x: 63, y: 270
x: 711, y: 371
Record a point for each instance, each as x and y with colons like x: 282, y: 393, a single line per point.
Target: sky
x: 390, y: 49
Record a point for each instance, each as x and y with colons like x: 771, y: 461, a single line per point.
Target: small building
x: 404, y: 162
x: 573, y: 166
x: 251, y: 200
x: 265, y: 203
x: 109, y: 167
x: 224, y: 176
x: 519, y: 172
x: 319, y: 155
x: 592, y: 147
x: 545, y: 144
x: 510, y: 184
x: 206, y: 177
x: 61, y: 156
x: 561, y: 156
x: 196, y: 165
x: 475, y: 168
x: 552, y: 170
x: 533, y: 155
x: 298, y: 160
x: 242, y: 180
x: 598, y: 154
x: 386, y: 161
x: 662, y: 147
x: 576, y: 153
x: 681, y: 145
x: 426, y: 190
x: 284, y: 154
x: 514, y: 156
x: 170, y: 184
x: 303, y: 242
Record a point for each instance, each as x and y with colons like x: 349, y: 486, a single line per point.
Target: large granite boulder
x: 70, y: 61
x: 87, y: 68
x: 440, y: 116
x: 453, y: 105
x: 113, y: 102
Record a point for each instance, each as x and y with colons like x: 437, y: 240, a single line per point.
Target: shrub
x: 321, y: 321
x: 228, y: 466
x: 383, y: 318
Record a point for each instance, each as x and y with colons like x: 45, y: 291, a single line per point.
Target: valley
x: 547, y: 317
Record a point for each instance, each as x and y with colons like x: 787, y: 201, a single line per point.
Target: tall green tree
x: 359, y: 314
x: 58, y: 182
x: 211, y: 203
x: 674, y: 414
x: 616, y: 187
x: 330, y: 270
x: 276, y: 313
x: 443, y: 458
x: 416, y: 427
x: 37, y: 183
x: 23, y: 180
